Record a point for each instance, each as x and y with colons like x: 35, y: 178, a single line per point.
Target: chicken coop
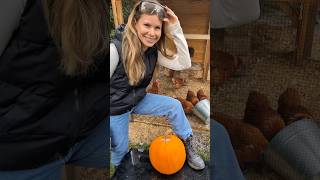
x: 256, y: 63
x: 194, y: 20
x: 194, y: 17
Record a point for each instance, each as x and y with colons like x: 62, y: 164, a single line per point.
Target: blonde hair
x: 79, y: 29
x: 132, y: 53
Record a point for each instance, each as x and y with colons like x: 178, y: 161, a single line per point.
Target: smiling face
x: 148, y: 28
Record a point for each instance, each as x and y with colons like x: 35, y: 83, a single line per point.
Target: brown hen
x: 290, y: 106
x: 187, y: 105
x: 178, y: 82
x: 201, y: 95
x: 154, y: 87
x: 224, y: 66
x: 259, y: 113
x: 247, y: 140
x: 192, y: 97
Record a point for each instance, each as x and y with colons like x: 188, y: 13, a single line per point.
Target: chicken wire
x: 268, y: 49
x: 315, y: 53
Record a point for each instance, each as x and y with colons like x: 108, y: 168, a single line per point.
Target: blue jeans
x: 151, y: 104
x: 224, y: 161
x: 90, y: 152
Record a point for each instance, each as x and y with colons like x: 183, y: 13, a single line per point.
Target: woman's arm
x: 10, y: 13
x: 114, y: 59
x: 182, y: 59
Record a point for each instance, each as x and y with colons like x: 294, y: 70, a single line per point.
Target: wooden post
x: 313, y: 5
x: 117, y: 12
x: 305, y: 30
x: 114, y: 12
x: 206, y: 61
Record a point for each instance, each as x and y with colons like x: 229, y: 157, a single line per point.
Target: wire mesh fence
x: 279, y: 50
x: 262, y: 56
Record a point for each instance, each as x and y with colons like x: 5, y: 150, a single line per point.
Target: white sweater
x: 180, y: 61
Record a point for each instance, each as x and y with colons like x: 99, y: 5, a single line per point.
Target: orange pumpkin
x: 167, y: 154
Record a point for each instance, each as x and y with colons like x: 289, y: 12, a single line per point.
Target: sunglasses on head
x: 152, y: 8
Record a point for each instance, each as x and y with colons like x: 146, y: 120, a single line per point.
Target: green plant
x: 112, y: 170
x: 142, y: 146
x: 205, y: 155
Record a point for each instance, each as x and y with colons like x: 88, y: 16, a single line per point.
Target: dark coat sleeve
x: 10, y: 13
x: 228, y: 13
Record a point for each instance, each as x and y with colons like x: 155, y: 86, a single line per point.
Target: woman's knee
x: 175, y: 103
x: 119, y: 142
x: 120, y: 147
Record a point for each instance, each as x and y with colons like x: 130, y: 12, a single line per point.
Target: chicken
x: 224, y: 66
x: 192, y: 97
x: 290, y: 106
x: 201, y: 95
x: 187, y: 105
x: 259, y: 113
x: 178, y: 82
x: 154, y: 87
x: 247, y: 140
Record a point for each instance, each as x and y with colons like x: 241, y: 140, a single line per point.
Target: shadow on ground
x: 136, y: 165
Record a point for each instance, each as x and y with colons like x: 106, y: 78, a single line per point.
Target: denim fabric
x: 90, y: 152
x: 225, y: 165
x: 151, y: 104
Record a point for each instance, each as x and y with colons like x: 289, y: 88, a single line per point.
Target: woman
x: 53, y: 105
x: 149, y: 27
x: 134, y: 55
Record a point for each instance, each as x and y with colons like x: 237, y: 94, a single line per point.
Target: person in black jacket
x: 53, y: 90
x: 134, y: 54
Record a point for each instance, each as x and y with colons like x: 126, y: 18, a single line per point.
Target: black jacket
x: 43, y: 112
x: 123, y: 97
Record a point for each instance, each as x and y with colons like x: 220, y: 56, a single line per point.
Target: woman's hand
x: 171, y: 17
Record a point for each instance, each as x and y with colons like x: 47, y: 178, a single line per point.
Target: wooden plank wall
x: 194, y: 16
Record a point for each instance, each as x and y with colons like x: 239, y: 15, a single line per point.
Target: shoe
x: 194, y: 160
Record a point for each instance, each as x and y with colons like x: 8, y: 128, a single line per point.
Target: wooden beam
x: 114, y: 12
x: 206, y: 61
x: 117, y: 12
x: 306, y: 30
x: 197, y: 36
x: 313, y: 5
